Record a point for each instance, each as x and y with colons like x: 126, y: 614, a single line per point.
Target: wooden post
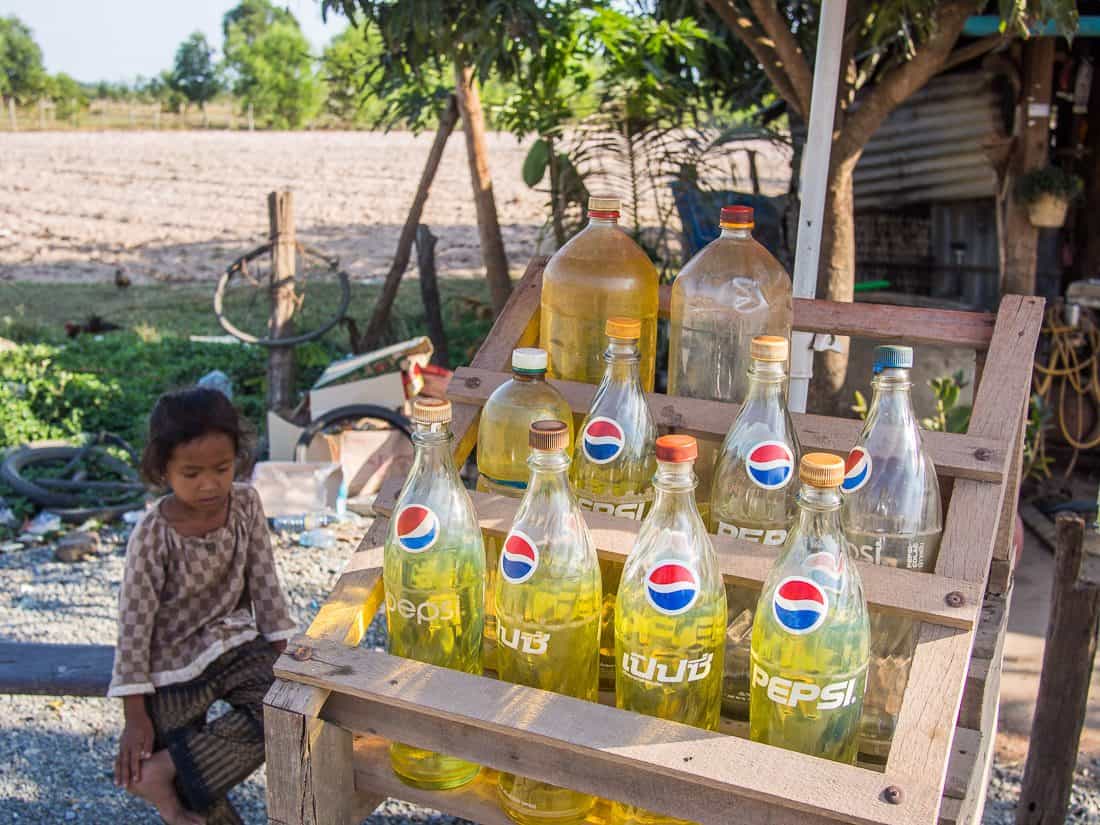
x: 280, y: 360
x: 429, y: 293
x: 41, y: 113
x: 11, y: 114
x: 1021, y: 239
x: 251, y: 120
x: 1064, y: 683
x: 381, y: 313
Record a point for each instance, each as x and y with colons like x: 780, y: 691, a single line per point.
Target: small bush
x: 1050, y: 180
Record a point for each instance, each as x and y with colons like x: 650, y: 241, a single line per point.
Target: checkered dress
x: 187, y: 600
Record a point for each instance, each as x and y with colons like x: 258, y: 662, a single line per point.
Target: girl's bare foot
x: 157, y: 773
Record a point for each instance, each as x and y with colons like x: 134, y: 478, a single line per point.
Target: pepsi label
x: 671, y: 587
x: 651, y: 669
x: 790, y: 692
x: 857, y: 470
x: 602, y: 440
x: 772, y: 538
x: 770, y: 465
x: 800, y: 605
x: 417, y: 528
x: 519, y: 558
x: 535, y: 644
x: 631, y: 507
x: 442, y: 608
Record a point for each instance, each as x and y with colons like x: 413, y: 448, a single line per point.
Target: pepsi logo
x: 770, y: 465
x: 519, y: 558
x: 603, y: 440
x: 799, y: 605
x: 827, y: 569
x: 417, y: 528
x: 857, y: 470
x: 671, y: 587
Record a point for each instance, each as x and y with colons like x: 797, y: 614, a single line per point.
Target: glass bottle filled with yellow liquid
x: 599, y: 274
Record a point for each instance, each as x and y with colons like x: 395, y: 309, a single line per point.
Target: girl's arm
x: 268, y: 602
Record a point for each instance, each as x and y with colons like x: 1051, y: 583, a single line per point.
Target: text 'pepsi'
x: 752, y: 497
x: 613, y: 460
x: 434, y: 578
x: 891, y: 515
x: 547, y: 598
x: 810, y: 635
x: 670, y: 613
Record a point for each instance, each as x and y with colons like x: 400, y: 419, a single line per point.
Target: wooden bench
x: 55, y: 670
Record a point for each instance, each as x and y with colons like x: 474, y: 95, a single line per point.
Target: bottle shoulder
x: 598, y: 252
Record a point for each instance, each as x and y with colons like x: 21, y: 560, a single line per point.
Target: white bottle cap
x: 529, y: 359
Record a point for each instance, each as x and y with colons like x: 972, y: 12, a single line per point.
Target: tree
x: 427, y: 41
x: 251, y: 18
x: 22, y: 75
x: 67, y: 95
x: 346, y: 65
x: 194, y: 74
x: 275, y: 74
x: 891, y: 49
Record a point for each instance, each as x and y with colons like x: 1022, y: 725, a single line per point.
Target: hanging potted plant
x: 1047, y: 193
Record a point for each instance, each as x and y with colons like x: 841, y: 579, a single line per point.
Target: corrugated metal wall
x: 931, y: 148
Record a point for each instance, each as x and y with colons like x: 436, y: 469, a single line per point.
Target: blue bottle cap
x: 892, y: 356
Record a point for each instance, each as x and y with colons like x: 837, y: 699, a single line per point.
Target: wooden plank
x: 885, y: 322
x: 965, y: 750
x: 55, y: 670
x: 351, y: 606
x: 921, y: 596
x: 666, y: 767
x: 967, y: 809
x: 963, y: 456
x: 1004, y: 546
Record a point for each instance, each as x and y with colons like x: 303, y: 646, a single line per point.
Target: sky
x: 117, y: 40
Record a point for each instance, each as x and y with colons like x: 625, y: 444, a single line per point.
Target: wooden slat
x: 885, y: 322
x: 963, y: 456
x: 965, y: 750
x: 664, y: 766
x: 932, y: 699
x: 350, y: 607
x: 921, y: 596
x: 55, y: 670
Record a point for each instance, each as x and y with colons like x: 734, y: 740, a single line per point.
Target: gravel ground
x: 56, y: 754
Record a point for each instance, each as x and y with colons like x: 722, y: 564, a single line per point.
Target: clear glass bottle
x: 670, y: 617
x: 548, y: 603
x: 433, y: 573
x: 753, y: 496
x: 810, y: 636
x: 600, y: 273
x: 730, y: 292
x: 614, y: 460
x: 892, y: 515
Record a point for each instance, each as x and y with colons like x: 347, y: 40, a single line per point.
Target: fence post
x: 11, y: 114
x: 41, y: 113
x: 1064, y: 684
x: 251, y: 122
x: 429, y: 293
x: 280, y: 360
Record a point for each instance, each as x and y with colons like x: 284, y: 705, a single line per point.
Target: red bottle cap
x: 737, y: 217
x: 677, y: 448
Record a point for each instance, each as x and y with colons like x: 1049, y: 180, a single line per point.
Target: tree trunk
x: 837, y: 279
x: 280, y: 360
x: 429, y: 294
x: 1021, y: 238
x: 557, y: 207
x: 380, y: 316
x: 488, y: 227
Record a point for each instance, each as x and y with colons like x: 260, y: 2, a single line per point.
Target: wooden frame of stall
x: 335, y: 704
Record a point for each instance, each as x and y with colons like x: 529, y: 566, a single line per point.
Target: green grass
x: 52, y: 386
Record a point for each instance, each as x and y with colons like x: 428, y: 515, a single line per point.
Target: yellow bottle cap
x: 769, y: 348
x: 821, y: 470
x: 623, y: 328
x: 605, y: 203
x: 431, y: 411
x: 549, y: 434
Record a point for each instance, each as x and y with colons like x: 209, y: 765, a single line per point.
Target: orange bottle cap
x: 548, y: 434
x: 623, y: 328
x: 677, y: 448
x: 821, y: 470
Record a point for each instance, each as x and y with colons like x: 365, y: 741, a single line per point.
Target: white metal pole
x: 815, y: 165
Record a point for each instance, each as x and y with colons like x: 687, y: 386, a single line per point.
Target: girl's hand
x: 136, y: 743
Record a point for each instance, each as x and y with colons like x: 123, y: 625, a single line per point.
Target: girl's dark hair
x: 185, y: 415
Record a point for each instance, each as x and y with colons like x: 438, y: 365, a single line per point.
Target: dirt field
x: 172, y: 206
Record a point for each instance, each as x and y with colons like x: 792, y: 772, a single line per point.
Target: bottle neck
x: 622, y: 359
x: 891, y: 404
x: 766, y: 380
x: 819, y: 510
x: 528, y: 377
x: 675, y: 486
x: 737, y: 234
x: 549, y: 472
x: 602, y: 221
x: 432, y: 448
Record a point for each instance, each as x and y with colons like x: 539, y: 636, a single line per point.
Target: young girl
x: 201, y: 617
